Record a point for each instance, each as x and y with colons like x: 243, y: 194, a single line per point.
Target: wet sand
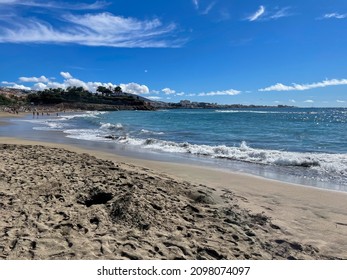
x: 63, y: 202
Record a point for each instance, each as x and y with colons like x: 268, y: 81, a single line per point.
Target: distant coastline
x: 186, y: 104
x: 77, y: 98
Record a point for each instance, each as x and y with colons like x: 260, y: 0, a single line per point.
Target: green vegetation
x: 5, y: 100
x: 105, y: 96
x: 11, y: 100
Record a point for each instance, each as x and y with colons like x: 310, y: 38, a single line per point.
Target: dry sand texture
x: 58, y: 204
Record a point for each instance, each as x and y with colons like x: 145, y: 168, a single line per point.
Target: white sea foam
x: 111, y: 126
x: 248, y: 111
x: 84, y: 134
x: 48, y: 124
x: 323, y: 162
x: 51, y: 126
x: 88, y: 114
x: 145, y: 131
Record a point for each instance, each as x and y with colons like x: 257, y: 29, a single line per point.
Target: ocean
x: 299, y: 145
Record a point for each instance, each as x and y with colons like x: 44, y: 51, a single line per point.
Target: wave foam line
x: 336, y: 163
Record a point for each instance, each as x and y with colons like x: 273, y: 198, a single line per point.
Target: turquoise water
x: 302, y: 130
x: 305, y: 143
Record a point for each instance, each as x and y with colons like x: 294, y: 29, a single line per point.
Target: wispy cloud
x: 101, y: 29
x: 265, y: 14
x: 300, y: 87
x: 208, y: 8
x: 309, y: 101
x: 257, y: 14
x: 283, y: 12
x: 56, y: 5
x: 203, y: 9
x: 340, y: 101
x: 334, y: 15
x: 219, y: 93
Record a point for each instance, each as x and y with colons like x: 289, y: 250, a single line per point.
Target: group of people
x: 37, y: 114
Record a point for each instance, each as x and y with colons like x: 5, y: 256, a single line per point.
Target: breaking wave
x: 329, y: 163
x: 111, y: 126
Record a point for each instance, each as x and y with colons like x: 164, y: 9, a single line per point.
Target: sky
x: 263, y: 52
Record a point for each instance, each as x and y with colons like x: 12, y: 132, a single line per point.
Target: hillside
x: 73, y: 98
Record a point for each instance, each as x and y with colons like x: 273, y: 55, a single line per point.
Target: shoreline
x: 309, y: 215
x: 25, y: 130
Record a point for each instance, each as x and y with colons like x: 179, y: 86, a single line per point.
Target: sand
x: 63, y: 202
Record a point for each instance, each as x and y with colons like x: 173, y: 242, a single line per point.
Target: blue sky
x: 226, y: 51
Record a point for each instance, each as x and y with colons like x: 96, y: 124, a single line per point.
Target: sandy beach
x: 63, y: 202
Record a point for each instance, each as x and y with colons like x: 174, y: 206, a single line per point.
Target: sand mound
x: 57, y: 204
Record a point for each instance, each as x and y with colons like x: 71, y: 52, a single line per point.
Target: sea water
x: 301, y: 145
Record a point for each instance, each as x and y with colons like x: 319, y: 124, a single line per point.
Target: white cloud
x: 66, y: 75
x: 335, y: 15
x: 309, y: 101
x: 21, y: 87
x: 102, y: 29
x: 135, y: 88
x: 280, y: 13
x: 168, y: 91
x: 76, y: 83
x: 92, y: 86
x: 15, y: 85
x: 154, y: 97
x: 56, y: 85
x: 266, y: 14
x: 340, y: 101
x: 40, y: 86
x: 223, y: 92
x: 292, y: 100
x: 70, y: 81
x: 277, y: 87
x: 57, y: 4
x: 41, y: 79
x: 208, y: 8
x: 203, y: 10
x: 300, y: 87
x: 257, y: 14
